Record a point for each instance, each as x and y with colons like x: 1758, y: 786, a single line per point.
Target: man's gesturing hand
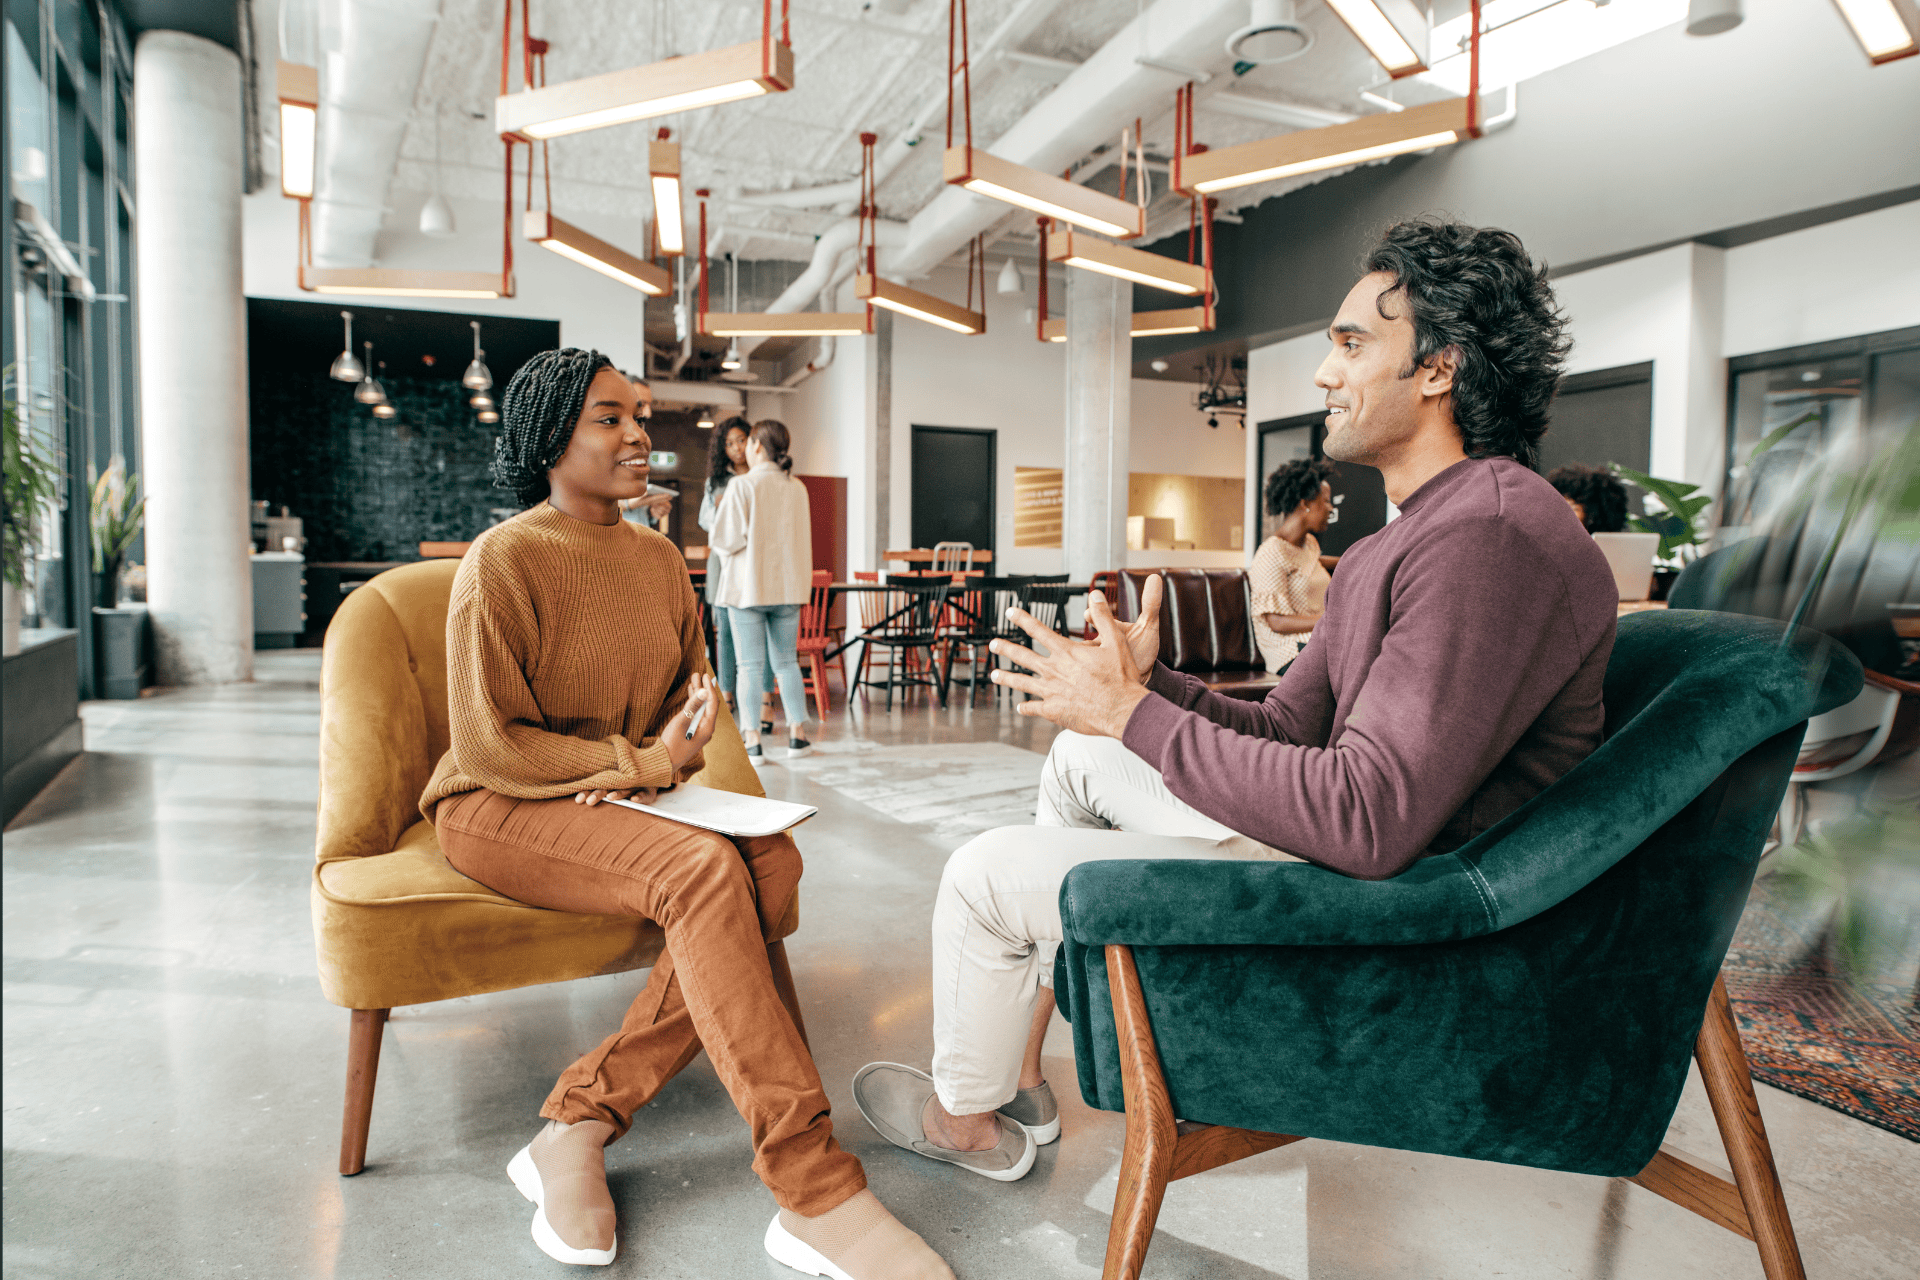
x: 1089, y: 688
x: 1143, y: 633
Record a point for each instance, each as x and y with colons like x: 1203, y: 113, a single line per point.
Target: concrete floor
x: 173, y: 1076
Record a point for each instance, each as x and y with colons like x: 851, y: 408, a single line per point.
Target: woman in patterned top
x: 1289, y: 582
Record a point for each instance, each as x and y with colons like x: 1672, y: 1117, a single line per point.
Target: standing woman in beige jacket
x: 763, y: 531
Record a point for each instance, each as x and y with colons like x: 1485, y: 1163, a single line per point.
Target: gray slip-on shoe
x: 893, y: 1097
x: 1034, y: 1110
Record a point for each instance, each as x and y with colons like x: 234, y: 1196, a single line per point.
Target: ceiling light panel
x: 571, y: 242
x: 1887, y: 30
x: 918, y: 305
x: 1520, y: 39
x: 380, y: 282
x: 299, y: 92
x: 986, y: 174
x: 640, y: 93
x: 1126, y: 263
x: 791, y: 324
x: 663, y: 166
x: 1393, y: 31
x: 1436, y: 124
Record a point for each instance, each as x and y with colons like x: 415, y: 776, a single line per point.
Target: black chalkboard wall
x: 367, y: 489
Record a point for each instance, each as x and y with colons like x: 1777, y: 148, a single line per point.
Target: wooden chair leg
x: 1147, y: 1158
x: 1723, y: 1069
x: 783, y: 983
x: 363, y: 1064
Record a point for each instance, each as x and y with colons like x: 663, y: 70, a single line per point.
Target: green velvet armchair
x: 1530, y: 998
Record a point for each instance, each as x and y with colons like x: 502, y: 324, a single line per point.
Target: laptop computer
x: 1630, y: 556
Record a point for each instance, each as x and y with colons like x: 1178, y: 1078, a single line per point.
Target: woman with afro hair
x: 576, y: 675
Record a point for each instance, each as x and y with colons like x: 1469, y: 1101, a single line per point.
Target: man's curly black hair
x: 1297, y: 482
x: 1479, y: 299
x: 1601, y: 495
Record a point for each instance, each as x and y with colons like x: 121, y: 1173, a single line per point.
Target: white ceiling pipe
x: 826, y: 268
x: 1015, y: 27
x: 1107, y: 93
x: 373, y: 54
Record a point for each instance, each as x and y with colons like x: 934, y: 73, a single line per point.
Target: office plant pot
x: 1663, y: 580
x: 12, y: 634
x: 120, y: 651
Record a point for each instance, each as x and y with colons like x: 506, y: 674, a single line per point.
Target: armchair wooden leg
x: 783, y: 983
x: 363, y: 1064
x: 1723, y: 1069
x: 1147, y: 1158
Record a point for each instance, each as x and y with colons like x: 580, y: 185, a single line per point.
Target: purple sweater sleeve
x: 1476, y: 643
x: 1299, y: 709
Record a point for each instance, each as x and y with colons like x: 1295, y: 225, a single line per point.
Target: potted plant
x: 117, y: 519
x: 31, y: 486
x: 1676, y: 512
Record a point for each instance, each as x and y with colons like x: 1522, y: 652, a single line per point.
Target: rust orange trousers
x: 716, y: 898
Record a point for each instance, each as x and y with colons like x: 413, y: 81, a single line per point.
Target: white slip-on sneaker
x: 893, y: 1097
x: 790, y: 1250
x: 526, y: 1178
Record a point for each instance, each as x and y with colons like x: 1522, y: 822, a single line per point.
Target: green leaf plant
x: 117, y: 518
x: 32, y: 486
x: 1681, y: 521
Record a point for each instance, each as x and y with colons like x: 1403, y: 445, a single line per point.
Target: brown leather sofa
x: 1206, y: 627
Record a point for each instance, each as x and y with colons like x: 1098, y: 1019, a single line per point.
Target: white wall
x: 1686, y: 309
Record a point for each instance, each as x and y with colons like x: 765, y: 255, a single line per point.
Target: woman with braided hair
x: 574, y: 676
x: 1289, y: 584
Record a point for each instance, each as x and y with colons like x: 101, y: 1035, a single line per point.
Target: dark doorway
x: 953, y: 484
x: 1359, y: 495
x: 1602, y: 417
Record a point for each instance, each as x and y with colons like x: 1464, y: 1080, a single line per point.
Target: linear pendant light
x: 299, y: 91
x: 383, y: 282
x: 1886, y: 29
x: 569, y: 241
x: 783, y: 324
x: 921, y: 306
x: 988, y: 175
x: 639, y: 93
x: 1127, y: 263
x: 1436, y: 124
x: 1394, y: 31
x: 663, y: 167
x: 1146, y: 324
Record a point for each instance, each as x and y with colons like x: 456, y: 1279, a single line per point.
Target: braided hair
x: 537, y: 414
x: 719, y: 465
x: 1294, y: 483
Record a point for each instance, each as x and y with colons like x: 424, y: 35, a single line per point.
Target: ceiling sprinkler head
x: 1272, y: 35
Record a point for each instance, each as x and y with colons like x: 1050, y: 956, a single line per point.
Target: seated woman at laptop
x: 574, y: 676
x: 1596, y: 495
x: 1289, y: 582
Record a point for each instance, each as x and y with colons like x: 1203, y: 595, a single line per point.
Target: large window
x: 70, y: 280
x: 1862, y: 392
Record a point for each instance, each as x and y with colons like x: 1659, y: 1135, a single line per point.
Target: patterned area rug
x: 1853, y: 1046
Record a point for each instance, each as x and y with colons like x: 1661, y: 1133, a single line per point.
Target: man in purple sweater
x: 1456, y: 674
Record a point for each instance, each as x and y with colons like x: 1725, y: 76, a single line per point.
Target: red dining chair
x: 815, y: 638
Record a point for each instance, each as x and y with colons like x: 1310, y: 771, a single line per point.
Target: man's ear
x: 1437, y: 374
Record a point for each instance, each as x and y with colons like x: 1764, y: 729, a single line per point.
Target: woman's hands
x: 645, y: 795
x: 699, y: 714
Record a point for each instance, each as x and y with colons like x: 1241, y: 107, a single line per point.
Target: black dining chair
x: 915, y: 607
x: 980, y: 608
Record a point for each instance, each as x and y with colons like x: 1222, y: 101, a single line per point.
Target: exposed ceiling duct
x: 372, y: 56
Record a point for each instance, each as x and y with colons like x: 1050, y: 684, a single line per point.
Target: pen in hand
x: 693, y: 716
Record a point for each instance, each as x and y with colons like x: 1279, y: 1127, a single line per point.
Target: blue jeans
x: 724, y: 673
x: 763, y: 635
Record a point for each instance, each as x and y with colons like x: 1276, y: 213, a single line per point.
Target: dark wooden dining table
x: 837, y: 589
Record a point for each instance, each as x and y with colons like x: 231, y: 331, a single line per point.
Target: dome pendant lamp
x: 370, y: 391
x: 436, y: 215
x: 477, y: 377
x: 347, y: 368
x: 1272, y: 34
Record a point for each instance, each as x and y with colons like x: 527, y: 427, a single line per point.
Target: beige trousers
x: 996, y: 923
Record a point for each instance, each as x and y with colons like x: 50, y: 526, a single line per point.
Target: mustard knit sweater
x: 569, y: 646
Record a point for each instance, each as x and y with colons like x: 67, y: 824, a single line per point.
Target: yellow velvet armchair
x: 393, y: 922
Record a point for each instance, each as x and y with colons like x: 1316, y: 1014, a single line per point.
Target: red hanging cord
x: 702, y: 195
x: 957, y: 25
x: 868, y: 241
x: 1473, y: 75
x: 506, y: 218
x: 1040, y: 314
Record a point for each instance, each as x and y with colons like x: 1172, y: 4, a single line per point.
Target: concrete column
x: 188, y: 160
x: 877, y: 519
x: 1099, y: 418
